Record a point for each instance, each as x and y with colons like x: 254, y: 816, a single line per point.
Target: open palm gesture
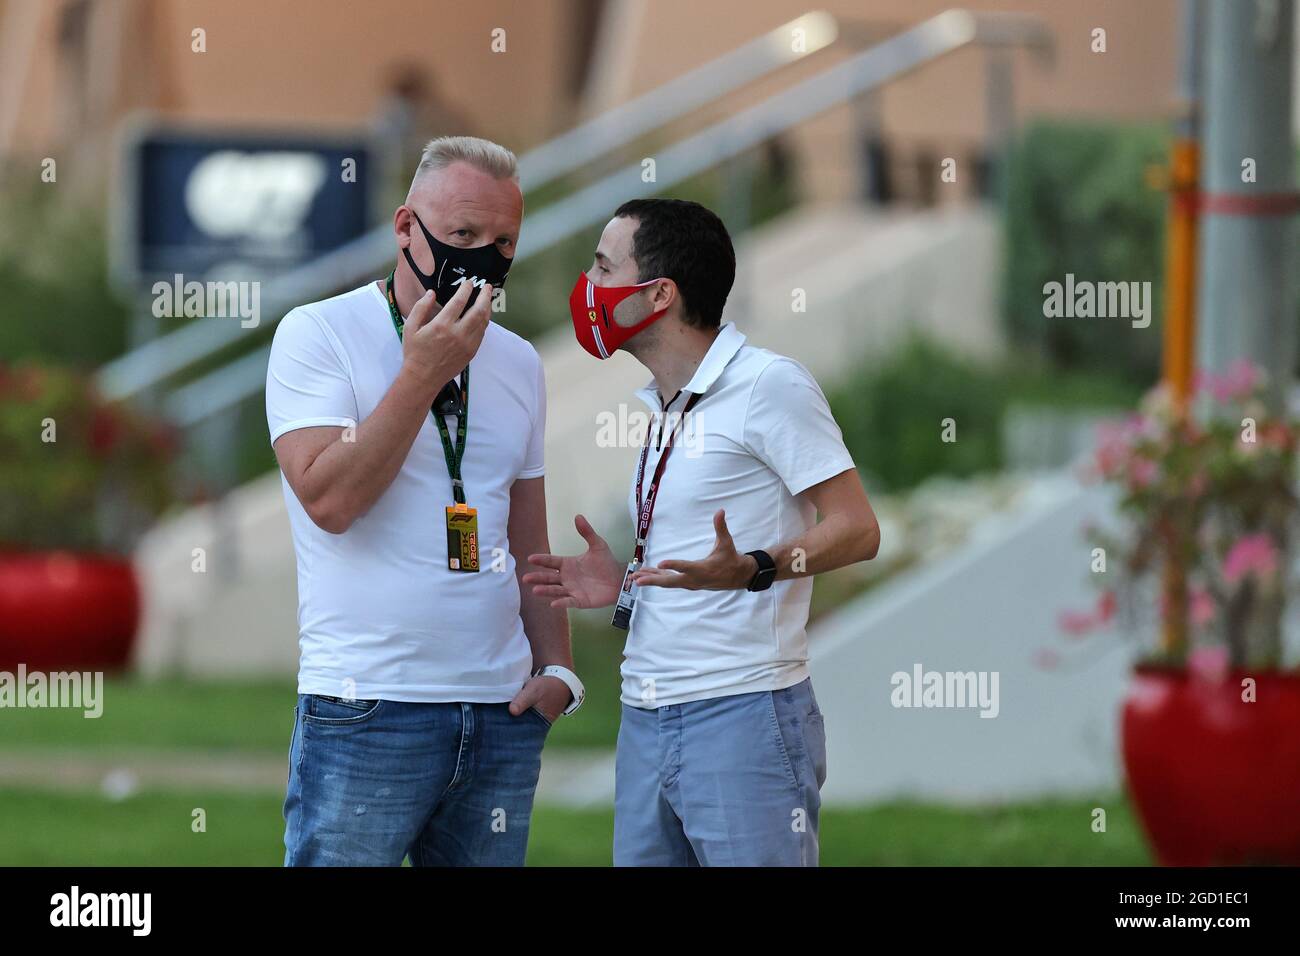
x: 585, y: 581
x: 725, y: 568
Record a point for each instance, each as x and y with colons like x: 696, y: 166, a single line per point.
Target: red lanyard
x: 645, y: 510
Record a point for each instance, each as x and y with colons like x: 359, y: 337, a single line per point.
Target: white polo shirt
x: 760, y: 434
x: 379, y: 613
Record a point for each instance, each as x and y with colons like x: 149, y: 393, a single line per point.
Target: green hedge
x: 892, y: 417
x: 1078, y: 201
x: 55, y: 300
x: 892, y: 411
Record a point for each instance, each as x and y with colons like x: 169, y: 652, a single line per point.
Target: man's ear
x: 403, y: 222
x: 663, y: 294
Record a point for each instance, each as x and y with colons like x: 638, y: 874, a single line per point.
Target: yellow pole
x: 1179, y: 341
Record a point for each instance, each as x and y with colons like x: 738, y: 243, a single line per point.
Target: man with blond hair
x: 427, y: 681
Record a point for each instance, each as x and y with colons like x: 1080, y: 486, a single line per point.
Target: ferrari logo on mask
x: 585, y: 298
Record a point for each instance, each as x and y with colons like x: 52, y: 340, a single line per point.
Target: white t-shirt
x: 379, y: 612
x: 760, y: 434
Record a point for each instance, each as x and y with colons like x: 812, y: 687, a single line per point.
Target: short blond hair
x: 483, y: 154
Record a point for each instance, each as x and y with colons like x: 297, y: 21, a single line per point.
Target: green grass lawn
x: 42, y: 828
x: 164, y: 714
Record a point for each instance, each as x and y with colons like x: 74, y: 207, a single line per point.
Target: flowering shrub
x: 76, y: 472
x: 1216, y: 492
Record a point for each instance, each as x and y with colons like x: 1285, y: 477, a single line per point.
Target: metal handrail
x: 884, y: 62
x: 676, y: 98
x: 910, y: 49
x: 158, y: 360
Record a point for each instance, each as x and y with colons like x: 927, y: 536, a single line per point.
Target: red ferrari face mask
x: 592, y: 308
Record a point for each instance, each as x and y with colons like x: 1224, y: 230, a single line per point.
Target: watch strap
x: 571, y: 681
x: 766, y: 573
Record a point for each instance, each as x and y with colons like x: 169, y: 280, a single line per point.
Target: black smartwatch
x: 766, y: 574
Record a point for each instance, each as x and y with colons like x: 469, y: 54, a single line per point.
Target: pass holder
x: 453, y: 399
x: 462, y: 538
x: 626, y: 598
x: 645, y: 511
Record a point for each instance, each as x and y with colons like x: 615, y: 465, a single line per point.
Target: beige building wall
x: 326, y: 62
x: 941, y: 104
x: 70, y: 70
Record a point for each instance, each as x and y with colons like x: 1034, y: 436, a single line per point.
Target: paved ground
x: 990, y: 607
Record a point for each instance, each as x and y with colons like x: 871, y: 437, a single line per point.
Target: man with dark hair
x: 721, y: 751
x: 685, y: 240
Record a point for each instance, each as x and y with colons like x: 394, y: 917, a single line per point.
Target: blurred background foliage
x: 893, y: 409
x: 1080, y: 200
x: 77, y: 472
x: 54, y: 288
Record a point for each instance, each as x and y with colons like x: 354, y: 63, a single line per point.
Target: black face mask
x: 482, y: 265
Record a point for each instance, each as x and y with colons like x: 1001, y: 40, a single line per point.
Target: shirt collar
x: 720, y: 353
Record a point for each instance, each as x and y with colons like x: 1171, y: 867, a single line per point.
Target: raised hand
x: 438, y: 342
x: 588, y: 580
x: 725, y: 569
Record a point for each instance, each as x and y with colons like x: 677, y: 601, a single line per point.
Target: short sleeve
x: 789, y: 427
x: 535, y: 457
x: 307, y: 381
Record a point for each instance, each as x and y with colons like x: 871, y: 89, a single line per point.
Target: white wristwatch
x: 571, y: 681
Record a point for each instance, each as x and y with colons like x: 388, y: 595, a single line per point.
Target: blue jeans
x: 729, y: 781
x: 371, y: 781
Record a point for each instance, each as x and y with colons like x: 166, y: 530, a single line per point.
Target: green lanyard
x: 454, y: 454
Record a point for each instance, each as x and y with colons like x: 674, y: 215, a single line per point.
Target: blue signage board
x: 213, y: 202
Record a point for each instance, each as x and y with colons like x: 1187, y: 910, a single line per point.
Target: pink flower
x: 1201, y: 608
x: 1142, y: 473
x: 1079, y: 623
x: 1106, y: 606
x: 1113, y: 448
x: 1252, y: 554
x: 1208, y: 663
x: 1076, y: 623
x: 1238, y: 382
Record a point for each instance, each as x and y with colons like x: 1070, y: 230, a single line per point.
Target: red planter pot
x: 1216, y: 780
x: 65, y: 611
